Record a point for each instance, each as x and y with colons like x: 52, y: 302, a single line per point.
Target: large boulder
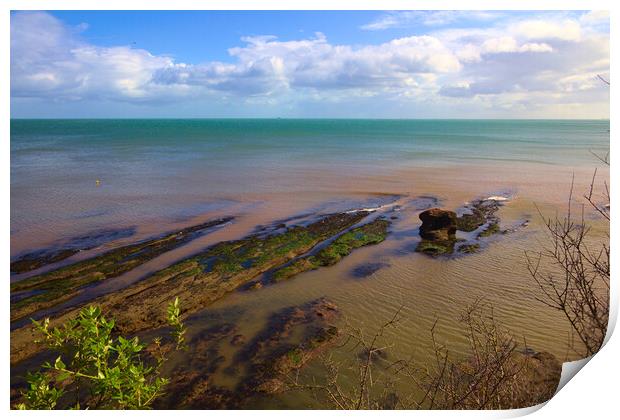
x: 438, y: 225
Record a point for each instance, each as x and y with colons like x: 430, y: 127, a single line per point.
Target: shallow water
x: 159, y: 175
x: 154, y: 171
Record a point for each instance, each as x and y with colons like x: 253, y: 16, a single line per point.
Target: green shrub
x: 95, y: 369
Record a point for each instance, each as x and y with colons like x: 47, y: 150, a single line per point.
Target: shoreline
x: 233, y: 282
x: 21, y: 338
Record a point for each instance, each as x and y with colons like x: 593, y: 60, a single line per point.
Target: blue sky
x: 366, y: 64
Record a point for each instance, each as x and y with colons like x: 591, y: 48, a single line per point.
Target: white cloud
x: 400, y: 19
x: 545, y: 29
x: 315, y: 63
x: 556, y: 56
x: 508, y: 44
x: 47, y: 59
x: 595, y: 17
x: 53, y: 62
x: 579, y: 82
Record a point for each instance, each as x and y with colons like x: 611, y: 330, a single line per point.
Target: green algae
x: 38, y: 258
x: 368, y: 234
x: 435, y: 248
x: 29, y: 263
x: 230, y: 258
x: 469, y: 248
x: 481, y: 212
x: 296, y: 267
x: 59, y: 285
x: 295, y: 356
x: 206, y: 277
x: 492, y: 229
x: 470, y: 222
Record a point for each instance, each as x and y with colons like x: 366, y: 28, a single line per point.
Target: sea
x: 73, y: 176
x: 77, y: 178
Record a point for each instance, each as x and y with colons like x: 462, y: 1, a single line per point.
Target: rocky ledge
x: 205, y: 277
x: 439, y: 228
x: 368, y: 234
x: 52, y: 288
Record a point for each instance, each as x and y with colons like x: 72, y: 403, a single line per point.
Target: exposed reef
x: 468, y: 248
x: 209, y: 275
x: 368, y: 234
x: 491, y: 229
x: 49, y: 289
x: 469, y: 222
x: 439, y: 227
x: 37, y: 259
x: 438, y: 232
x: 42, y: 257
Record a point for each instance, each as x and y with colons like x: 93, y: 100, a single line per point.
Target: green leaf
x: 62, y: 376
x: 58, y: 364
x: 110, y: 367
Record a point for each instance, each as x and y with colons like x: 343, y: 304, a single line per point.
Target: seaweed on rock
x: 57, y: 286
x: 203, y: 278
x: 439, y: 227
x: 369, y: 234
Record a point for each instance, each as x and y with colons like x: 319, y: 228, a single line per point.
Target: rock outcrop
x: 438, y: 225
x: 438, y: 232
x: 46, y: 290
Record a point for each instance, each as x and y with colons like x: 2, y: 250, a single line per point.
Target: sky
x: 314, y: 64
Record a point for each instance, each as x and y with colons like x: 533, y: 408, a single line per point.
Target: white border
x: 593, y: 395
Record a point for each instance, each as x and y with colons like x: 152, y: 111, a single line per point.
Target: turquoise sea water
x: 179, y: 168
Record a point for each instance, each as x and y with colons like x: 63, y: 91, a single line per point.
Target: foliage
x: 96, y: 370
x: 174, y: 312
x: 40, y: 395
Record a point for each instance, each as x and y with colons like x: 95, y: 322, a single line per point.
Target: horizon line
x: 309, y: 118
